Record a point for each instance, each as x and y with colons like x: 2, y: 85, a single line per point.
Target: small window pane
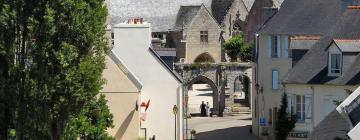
x: 204, y: 36
x: 335, y: 63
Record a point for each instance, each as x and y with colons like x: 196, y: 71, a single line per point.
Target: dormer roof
x: 348, y: 45
x: 313, y: 67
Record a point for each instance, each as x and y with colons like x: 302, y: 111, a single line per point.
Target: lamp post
x: 97, y: 115
x: 175, y: 110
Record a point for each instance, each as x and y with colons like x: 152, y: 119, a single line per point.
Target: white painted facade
x: 159, y: 85
x: 323, y: 99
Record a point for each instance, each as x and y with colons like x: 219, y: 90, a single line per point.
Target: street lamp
x: 175, y: 110
x: 97, y: 112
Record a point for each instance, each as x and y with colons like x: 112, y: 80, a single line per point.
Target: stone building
x: 196, y: 28
x: 200, y: 34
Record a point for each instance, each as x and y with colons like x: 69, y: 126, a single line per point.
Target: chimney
x: 132, y: 39
x: 135, y: 21
x: 353, y: 7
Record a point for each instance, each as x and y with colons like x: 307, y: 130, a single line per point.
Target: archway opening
x: 242, y: 91
x: 202, y: 90
x: 204, y: 58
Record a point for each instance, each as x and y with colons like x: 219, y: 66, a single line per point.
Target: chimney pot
x: 353, y: 7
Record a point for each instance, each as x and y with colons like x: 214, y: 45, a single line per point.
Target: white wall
x: 319, y: 106
x: 131, y: 43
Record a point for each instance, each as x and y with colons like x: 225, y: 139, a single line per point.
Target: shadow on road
x: 232, y: 133
x: 245, y: 119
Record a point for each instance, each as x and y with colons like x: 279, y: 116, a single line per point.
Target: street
x: 222, y: 128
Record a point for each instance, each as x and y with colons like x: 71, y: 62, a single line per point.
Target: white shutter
x: 278, y: 46
x: 286, y: 46
x: 290, y: 103
x: 308, y: 106
x: 269, y: 45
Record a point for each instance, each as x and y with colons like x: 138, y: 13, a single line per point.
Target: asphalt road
x: 222, y: 128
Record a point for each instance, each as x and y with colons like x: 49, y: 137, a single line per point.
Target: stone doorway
x: 202, y: 89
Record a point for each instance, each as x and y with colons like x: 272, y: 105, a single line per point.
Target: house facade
x: 161, y: 90
x: 122, y: 91
x: 201, y: 35
x: 320, y: 69
x: 286, y: 46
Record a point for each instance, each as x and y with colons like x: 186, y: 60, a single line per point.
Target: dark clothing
x: 203, y: 110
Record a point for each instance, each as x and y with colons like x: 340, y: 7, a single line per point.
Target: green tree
x: 233, y: 47
x: 51, y: 59
x: 285, y: 122
x: 236, y: 48
x: 246, y: 52
x: 91, y: 123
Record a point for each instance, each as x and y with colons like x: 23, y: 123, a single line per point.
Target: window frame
x: 204, y: 37
x: 306, y: 106
x: 331, y: 70
x: 275, y: 46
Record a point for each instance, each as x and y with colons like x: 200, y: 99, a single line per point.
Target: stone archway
x: 214, y: 89
x: 242, y: 90
x: 204, y: 58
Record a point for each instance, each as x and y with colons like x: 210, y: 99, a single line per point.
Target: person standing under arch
x: 203, y: 109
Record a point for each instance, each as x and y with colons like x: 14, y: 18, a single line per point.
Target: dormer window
x: 335, y: 64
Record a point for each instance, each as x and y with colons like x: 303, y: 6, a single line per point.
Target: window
x: 302, y: 107
x: 204, y: 37
x: 335, y: 64
x: 274, y: 46
x: 275, y: 79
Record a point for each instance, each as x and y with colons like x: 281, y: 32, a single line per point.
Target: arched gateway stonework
x: 220, y: 77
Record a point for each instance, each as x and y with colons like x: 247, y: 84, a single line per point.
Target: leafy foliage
x: 233, y: 46
x: 286, y: 121
x: 246, y: 52
x: 236, y: 48
x: 87, y: 125
x: 51, y: 59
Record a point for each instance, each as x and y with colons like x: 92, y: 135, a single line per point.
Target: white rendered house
x: 161, y: 87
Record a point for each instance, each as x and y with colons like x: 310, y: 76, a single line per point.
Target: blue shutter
x: 278, y: 46
x: 269, y: 45
x: 275, y: 79
x: 286, y: 46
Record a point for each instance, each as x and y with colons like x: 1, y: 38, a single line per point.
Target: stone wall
x: 203, y: 21
x: 223, y: 75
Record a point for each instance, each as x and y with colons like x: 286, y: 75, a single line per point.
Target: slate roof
x: 160, y: 13
x: 333, y: 125
x: 312, y: 68
x: 299, y: 17
x: 185, y: 16
x: 219, y: 9
x: 348, y: 45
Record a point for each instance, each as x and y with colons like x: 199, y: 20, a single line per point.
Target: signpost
x: 262, y: 121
